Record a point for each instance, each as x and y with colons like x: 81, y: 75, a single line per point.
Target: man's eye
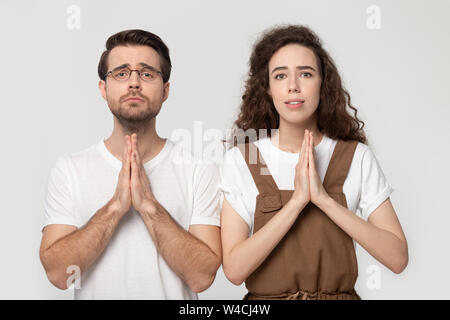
x: 147, y: 74
x: 121, y: 74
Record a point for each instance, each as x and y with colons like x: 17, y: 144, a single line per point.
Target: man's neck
x: 149, y: 142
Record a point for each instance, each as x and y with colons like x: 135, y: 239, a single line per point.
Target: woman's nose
x: 294, y: 86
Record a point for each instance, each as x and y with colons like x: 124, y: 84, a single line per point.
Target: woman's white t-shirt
x: 365, y: 187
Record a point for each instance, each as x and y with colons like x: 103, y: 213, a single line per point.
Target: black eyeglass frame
x: 131, y: 71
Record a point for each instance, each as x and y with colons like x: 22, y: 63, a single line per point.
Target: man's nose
x: 134, y: 82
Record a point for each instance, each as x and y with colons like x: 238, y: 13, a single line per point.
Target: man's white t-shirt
x: 130, y: 267
x: 365, y: 187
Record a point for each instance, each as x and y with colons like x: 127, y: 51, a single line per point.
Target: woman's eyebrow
x: 299, y: 68
x: 306, y: 68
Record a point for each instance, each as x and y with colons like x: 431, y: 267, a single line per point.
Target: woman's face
x: 294, y: 83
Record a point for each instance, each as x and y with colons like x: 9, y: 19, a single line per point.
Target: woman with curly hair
x: 301, y: 185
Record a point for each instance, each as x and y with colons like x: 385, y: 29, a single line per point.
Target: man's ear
x: 102, y: 88
x: 166, y: 91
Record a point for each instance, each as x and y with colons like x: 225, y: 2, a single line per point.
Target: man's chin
x: 135, y: 119
x: 134, y: 114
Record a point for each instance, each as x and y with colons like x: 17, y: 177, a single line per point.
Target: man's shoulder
x: 182, y: 154
x: 181, y: 157
x: 76, y: 157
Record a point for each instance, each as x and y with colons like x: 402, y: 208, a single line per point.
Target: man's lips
x: 134, y: 99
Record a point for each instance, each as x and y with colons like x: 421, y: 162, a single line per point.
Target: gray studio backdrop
x: 392, y: 55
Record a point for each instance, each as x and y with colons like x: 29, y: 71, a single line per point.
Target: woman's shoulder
x: 237, y: 152
x: 360, y: 150
x: 363, y: 157
x: 363, y: 151
x: 233, y: 156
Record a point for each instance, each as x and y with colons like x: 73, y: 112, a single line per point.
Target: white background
x: 398, y: 78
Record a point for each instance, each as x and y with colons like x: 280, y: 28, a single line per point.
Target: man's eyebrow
x: 299, y: 68
x: 142, y: 64
x: 122, y: 66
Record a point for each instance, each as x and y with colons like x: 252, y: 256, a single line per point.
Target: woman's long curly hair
x: 257, y: 110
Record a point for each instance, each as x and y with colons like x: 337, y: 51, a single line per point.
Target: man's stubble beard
x: 133, y: 122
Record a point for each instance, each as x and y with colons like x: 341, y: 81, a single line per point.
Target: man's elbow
x: 58, y: 281
x: 56, y: 278
x: 202, y: 283
x: 205, y: 279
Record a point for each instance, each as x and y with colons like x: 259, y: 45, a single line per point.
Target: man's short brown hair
x: 136, y: 37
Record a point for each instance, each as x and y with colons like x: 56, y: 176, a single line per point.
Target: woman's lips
x: 294, y: 104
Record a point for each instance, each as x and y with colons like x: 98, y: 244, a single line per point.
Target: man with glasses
x: 133, y: 222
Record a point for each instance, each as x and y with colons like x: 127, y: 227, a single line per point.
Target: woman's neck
x: 290, y: 137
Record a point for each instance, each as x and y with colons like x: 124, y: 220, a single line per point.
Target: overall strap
x: 258, y: 168
x: 269, y: 193
x: 339, y: 165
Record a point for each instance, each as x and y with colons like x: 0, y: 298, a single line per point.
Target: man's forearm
x: 81, y: 247
x: 190, y: 258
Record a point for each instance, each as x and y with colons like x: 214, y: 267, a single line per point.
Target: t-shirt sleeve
x: 207, y: 198
x: 375, y: 188
x: 58, y: 201
x: 232, y: 173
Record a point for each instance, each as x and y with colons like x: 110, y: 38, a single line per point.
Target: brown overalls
x: 315, y: 259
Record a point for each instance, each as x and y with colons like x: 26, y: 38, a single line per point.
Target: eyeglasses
x: 124, y: 73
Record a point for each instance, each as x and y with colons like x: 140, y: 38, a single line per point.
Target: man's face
x: 134, y: 102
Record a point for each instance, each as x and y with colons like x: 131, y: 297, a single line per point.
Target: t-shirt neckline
x: 318, y: 148
x: 116, y: 163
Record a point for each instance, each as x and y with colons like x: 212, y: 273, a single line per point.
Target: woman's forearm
x: 248, y: 255
x: 383, y: 245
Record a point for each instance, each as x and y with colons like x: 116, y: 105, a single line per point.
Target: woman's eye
x: 280, y: 76
x: 306, y: 75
